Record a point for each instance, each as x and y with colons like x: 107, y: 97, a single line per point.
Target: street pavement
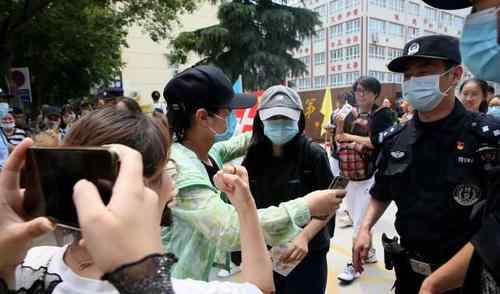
x: 376, y: 279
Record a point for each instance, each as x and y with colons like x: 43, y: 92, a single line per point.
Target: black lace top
x: 149, y: 275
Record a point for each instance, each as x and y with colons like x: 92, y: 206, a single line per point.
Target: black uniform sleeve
x: 381, y: 121
x: 380, y: 189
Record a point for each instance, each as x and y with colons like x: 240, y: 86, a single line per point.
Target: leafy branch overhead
x: 76, y: 43
x: 253, y: 38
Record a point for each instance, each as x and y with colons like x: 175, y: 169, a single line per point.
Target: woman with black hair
x: 283, y: 164
x: 474, y: 95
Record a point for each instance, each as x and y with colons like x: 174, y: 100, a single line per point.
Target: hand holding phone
x: 339, y: 183
x: 51, y: 173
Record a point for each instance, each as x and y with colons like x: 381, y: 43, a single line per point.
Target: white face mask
x: 424, y: 93
x: 9, y: 126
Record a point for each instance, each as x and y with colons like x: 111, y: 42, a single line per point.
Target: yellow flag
x: 326, y: 110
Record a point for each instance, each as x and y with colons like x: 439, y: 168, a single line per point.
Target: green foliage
x: 70, y: 46
x: 253, y: 38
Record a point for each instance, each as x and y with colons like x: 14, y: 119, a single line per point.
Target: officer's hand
x: 360, y: 249
x: 324, y: 203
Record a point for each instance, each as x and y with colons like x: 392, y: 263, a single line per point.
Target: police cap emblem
x: 413, y: 48
x: 466, y: 194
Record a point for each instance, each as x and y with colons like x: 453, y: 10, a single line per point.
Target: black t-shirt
x: 211, y: 170
x: 274, y: 180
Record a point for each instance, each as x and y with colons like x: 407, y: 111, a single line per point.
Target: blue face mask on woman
x: 495, y: 111
x: 480, y: 46
x: 280, y: 131
x: 230, y: 128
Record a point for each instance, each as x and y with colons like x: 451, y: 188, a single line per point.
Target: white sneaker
x: 371, y: 257
x: 349, y: 274
x: 345, y: 220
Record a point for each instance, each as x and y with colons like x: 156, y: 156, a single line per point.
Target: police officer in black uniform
x: 476, y: 266
x: 428, y: 166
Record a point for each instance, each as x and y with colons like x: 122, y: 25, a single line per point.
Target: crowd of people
x: 180, y: 205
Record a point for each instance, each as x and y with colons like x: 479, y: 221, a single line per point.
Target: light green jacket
x: 203, y: 223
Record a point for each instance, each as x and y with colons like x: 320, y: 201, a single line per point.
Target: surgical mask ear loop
x: 219, y: 117
x: 445, y: 92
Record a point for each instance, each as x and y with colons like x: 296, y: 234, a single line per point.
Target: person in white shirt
x: 157, y: 104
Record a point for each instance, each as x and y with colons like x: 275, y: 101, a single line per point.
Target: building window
x: 304, y: 83
x: 336, y: 30
x: 396, y: 5
x: 306, y: 60
x: 393, y: 53
x: 379, y: 3
x: 376, y: 26
x: 319, y: 58
x: 336, y: 6
x: 353, y: 26
x: 320, y: 82
x: 321, y: 10
x: 394, y: 29
x: 458, y: 22
x: 333, y: 80
x: 320, y: 36
x: 351, y: 77
x: 446, y: 19
x: 394, y: 77
x: 336, y: 55
x: 352, y: 52
x: 430, y: 14
x: 379, y: 75
x: 413, y: 9
x: 377, y: 52
x: 351, y: 4
x: 413, y: 33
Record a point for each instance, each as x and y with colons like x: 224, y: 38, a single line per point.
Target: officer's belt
x: 419, y: 264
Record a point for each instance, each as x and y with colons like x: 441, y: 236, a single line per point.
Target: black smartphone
x: 50, y: 174
x: 339, y: 182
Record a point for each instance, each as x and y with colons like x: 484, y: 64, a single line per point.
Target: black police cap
x: 449, y: 4
x: 204, y: 86
x: 434, y: 47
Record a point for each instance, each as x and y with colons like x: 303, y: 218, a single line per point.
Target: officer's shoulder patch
x: 485, y: 127
x: 390, y: 132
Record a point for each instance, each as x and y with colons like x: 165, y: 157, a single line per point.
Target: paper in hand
x: 279, y: 266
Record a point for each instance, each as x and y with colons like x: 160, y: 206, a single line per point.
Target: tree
x: 253, y: 38
x: 22, y: 20
x: 69, y: 49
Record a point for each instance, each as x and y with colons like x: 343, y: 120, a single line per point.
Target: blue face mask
x: 423, y: 93
x: 495, y: 111
x: 479, y: 45
x: 230, y: 129
x: 280, y: 131
x: 4, y: 109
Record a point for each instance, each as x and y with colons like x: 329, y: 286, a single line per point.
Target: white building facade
x: 147, y: 67
x: 360, y: 37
